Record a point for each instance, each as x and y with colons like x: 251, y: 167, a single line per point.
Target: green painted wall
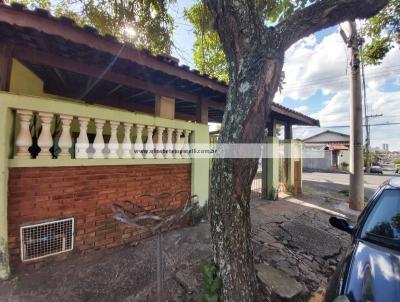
x: 289, y: 155
x: 5, y: 122
x: 24, y: 81
x: 200, y: 166
x: 271, y: 168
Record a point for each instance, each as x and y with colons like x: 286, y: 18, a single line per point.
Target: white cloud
x: 335, y: 110
x: 302, y: 109
x: 336, y: 113
x: 311, y: 66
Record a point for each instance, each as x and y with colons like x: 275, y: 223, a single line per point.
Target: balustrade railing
x: 56, y: 138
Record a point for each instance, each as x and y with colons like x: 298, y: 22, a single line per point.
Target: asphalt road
x: 338, y: 181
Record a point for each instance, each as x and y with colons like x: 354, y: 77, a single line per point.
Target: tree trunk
x: 254, y: 55
x: 231, y: 180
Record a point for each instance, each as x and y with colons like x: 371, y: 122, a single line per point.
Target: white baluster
x: 186, y: 147
x: 138, y: 147
x: 113, y: 143
x: 178, y: 144
x: 82, y: 142
x: 169, y: 146
x: 149, y: 143
x: 126, y: 145
x: 98, y: 143
x: 160, y: 144
x: 45, y: 140
x: 65, y: 141
x: 24, y: 137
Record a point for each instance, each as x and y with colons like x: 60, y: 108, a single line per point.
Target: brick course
x: 87, y: 193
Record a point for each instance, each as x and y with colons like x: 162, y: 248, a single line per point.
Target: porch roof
x: 79, y: 63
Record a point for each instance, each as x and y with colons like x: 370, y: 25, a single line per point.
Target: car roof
x: 394, y: 182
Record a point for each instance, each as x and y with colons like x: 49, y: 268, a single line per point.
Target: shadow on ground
x: 295, y: 252
x: 330, y: 187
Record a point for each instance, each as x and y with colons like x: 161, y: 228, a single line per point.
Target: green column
x: 290, y: 158
x: 5, y: 137
x: 200, y: 166
x: 271, y: 169
x: 298, y: 156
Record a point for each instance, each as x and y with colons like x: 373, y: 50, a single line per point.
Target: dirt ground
x: 295, y: 252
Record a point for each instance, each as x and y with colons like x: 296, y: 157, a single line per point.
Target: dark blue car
x: 370, y: 269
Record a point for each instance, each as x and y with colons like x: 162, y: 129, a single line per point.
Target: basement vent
x: 46, y: 239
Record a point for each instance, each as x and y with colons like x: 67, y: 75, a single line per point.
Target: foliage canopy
x: 145, y: 23
x: 382, y: 33
x: 209, y: 57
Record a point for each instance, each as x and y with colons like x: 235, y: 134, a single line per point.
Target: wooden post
x: 202, y: 111
x: 5, y: 66
x: 165, y: 107
x: 288, y: 131
x: 271, y: 126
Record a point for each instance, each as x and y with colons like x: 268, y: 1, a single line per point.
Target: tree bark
x: 230, y: 186
x: 255, y: 56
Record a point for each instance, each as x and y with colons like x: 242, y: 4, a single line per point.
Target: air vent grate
x: 46, y: 239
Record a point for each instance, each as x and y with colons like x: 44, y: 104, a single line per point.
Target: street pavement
x: 340, y: 181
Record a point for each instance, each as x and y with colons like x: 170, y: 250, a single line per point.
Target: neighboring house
x: 327, y: 150
x: 63, y: 87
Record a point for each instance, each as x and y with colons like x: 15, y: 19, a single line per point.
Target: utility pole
x: 356, y: 124
x: 368, y: 138
x: 366, y: 118
x: 367, y: 128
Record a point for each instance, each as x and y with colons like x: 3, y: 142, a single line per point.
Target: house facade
x: 88, y: 122
x: 326, y: 151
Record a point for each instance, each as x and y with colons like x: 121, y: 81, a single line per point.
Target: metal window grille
x: 256, y: 186
x: 46, y: 239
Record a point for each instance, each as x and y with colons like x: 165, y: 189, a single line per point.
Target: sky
x: 317, y: 83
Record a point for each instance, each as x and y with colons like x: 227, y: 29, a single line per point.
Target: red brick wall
x: 87, y: 194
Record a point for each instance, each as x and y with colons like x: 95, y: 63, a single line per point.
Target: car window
x: 384, y: 220
x: 369, y: 203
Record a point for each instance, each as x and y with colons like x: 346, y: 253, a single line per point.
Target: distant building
x: 385, y: 147
x: 326, y: 151
x: 375, y: 149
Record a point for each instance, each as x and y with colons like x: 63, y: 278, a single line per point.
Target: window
x: 383, y: 223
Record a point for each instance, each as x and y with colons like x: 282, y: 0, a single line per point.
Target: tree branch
x: 324, y: 14
x: 237, y: 23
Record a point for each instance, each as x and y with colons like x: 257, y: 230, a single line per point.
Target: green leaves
x: 144, y: 23
x: 382, y: 33
x: 208, y: 55
x: 275, y: 11
x: 211, y: 283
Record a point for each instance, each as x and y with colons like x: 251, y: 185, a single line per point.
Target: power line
x: 339, y: 79
x: 348, y: 126
x: 380, y: 70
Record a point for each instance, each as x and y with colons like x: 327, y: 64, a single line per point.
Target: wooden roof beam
x: 5, y: 66
x: 38, y: 57
x: 117, y: 87
x: 60, y: 77
x: 53, y: 26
